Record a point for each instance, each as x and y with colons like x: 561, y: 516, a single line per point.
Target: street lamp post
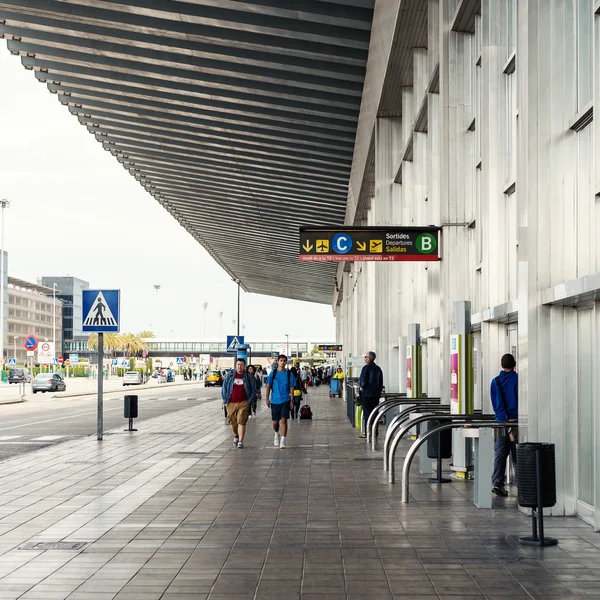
x: 15, y: 345
x: 220, y: 324
x: 287, y: 345
x: 204, y: 306
x: 3, y: 204
x: 54, y: 321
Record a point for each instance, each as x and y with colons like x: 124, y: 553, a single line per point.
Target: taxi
x: 213, y: 378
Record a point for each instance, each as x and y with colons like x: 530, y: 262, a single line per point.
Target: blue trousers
x: 368, y: 406
x: 502, y: 448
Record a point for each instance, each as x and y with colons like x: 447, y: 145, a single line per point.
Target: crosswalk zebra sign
x: 101, y: 310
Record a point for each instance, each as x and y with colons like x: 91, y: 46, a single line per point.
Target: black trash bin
x: 131, y: 410
x: 443, y: 439
x: 536, y: 478
x: 439, y: 446
x: 526, y: 474
x: 131, y: 407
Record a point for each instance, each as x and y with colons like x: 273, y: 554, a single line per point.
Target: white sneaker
x: 236, y: 441
x: 276, y: 440
x: 282, y: 443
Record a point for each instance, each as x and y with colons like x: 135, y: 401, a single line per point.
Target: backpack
x: 305, y: 412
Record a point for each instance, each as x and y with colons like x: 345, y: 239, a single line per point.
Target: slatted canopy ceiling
x: 238, y: 116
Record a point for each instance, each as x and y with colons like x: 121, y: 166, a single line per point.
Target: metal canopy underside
x: 238, y: 116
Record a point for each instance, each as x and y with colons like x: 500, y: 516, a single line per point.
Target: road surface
x: 42, y: 420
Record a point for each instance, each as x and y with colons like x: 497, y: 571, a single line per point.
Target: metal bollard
x: 131, y: 410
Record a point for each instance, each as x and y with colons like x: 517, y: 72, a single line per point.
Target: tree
x: 146, y: 333
x: 132, y: 344
x: 112, y: 342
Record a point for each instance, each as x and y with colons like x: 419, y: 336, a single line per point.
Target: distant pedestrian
x: 238, y: 392
x: 280, y: 398
x: 305, y: 376
x: 371, y: 386
x: 258, y: 384
x: 297, y: 394
x: 504, y: 393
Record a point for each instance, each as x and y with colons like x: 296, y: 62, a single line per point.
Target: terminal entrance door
x: 512, y: 335
x: 585, y: 414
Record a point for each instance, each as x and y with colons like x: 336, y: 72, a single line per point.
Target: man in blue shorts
x: 280, y: 397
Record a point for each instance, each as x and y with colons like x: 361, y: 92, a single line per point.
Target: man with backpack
x: 371, y: 386
x: 238, y: 392
x: 504, y: 393
x: 280, y: 397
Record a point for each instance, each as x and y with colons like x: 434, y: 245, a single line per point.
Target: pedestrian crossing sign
x: 101, y: 311
x: 233, y: 341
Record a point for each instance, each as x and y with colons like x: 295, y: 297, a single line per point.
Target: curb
x: 2, y: 403
x: 129, y: 387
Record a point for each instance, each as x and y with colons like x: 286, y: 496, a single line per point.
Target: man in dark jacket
x: 504, y: 393
x: 371, y: 385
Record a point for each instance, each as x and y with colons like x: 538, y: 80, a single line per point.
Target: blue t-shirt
x: 280, y: 390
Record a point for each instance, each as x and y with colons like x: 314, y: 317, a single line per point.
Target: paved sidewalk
x: 174, y: 512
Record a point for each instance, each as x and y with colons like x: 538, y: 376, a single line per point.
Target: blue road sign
x: 101, y: 310
x: 233, y: 341
x: 115, y: 362
x: 31, y: 342
x: 180, y: 360
x: 11, y: 362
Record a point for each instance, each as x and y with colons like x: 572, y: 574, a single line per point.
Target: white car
x: 132, y: 378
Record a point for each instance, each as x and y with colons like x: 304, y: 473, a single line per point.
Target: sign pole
x: 100, y: 383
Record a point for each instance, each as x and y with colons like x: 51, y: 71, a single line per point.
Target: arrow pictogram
x: 307, y: 246
x: 362, y: 246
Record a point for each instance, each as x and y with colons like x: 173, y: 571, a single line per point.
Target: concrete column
x: 387, y: 143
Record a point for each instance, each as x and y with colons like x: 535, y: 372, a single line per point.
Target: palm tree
x: 132, y: 344
x: 111, y: 343
x: 146, y: 333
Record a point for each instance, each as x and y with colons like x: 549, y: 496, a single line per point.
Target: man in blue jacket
x: 371, y: 386
x: 504, y: 393
x: 280, y: 398
x: 238, y: 392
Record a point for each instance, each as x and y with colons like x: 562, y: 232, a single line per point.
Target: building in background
x: 5, y: 300
x: 30, y: 311
x: 70, y: 291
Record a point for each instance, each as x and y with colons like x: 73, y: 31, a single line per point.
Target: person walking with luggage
x: 504, y: 393
x: 238, y: 392
x: 298, y: 391
x: 371, y: 386
x: 280, y: 398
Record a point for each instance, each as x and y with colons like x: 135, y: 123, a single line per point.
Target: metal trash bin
x: 131, y: 407
x: 527, y: 478
x: 445, y: 442
x: 536, y: 478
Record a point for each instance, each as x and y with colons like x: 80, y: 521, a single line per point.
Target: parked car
x: 213, y: 378
x: 19, y: 376
x: 132, y: 378
x: 48, y: 382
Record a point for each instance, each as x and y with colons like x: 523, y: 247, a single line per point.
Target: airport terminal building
x: 473, y: 117
x: 478, y: 117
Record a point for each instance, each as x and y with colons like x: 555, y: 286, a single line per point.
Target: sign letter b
x: 426, y: 243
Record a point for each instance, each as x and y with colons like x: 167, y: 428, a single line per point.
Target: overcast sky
x: 75, y: 211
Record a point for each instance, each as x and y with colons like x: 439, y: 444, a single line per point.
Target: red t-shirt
x: 238, y: 392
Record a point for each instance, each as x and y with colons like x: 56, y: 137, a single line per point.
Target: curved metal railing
x: 423, y: 438
x: 388, y: 404
x: 403, y: 417
x: 460, y: 419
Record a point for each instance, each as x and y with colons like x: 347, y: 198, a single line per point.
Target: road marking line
x: 48, y: 438
x: 63, y: 418
x: 9, y: 437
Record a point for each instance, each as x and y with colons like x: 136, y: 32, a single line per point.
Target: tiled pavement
x: 174, y: 512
